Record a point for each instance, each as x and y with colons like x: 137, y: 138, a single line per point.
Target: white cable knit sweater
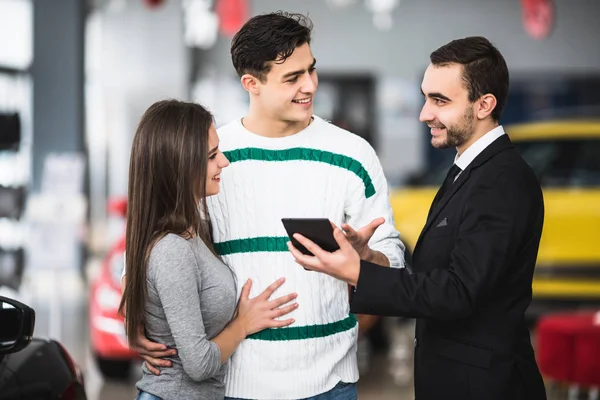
x: 322, y: 171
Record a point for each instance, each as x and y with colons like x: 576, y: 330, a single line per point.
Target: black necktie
x: 452, y: 173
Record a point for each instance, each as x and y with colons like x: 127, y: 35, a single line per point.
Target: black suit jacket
x: 470, y: 284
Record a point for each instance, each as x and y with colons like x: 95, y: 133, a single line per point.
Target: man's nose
x: 308, y: 84
x: 426, y: 114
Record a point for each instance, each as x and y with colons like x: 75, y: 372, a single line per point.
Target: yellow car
x: 566, y: 158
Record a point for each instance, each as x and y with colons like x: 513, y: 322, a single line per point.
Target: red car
x: 107, y: 331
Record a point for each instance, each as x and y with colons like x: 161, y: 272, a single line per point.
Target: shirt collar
x: 476, y: 148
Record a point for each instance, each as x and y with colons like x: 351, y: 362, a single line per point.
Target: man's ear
x: 250, y: 83
x: 487, y: 104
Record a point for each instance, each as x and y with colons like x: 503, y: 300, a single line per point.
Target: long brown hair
x: 167, y: 188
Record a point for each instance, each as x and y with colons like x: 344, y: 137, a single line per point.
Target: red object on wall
x: 538, y: 17
x: 232, y: 15
x: 154, y: 3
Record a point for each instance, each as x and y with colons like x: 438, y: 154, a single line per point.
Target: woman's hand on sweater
x: 258, y: 313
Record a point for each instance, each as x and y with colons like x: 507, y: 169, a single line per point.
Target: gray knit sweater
x: 191, y: 298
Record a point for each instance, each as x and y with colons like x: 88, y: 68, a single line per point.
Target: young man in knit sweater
x: 286, y: 163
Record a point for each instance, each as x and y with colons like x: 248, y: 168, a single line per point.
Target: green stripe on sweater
x: 252, y: 245
x: 306, y: 332
x: 304, y: 154
x: 278, y: 244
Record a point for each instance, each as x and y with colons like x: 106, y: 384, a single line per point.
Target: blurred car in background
x: 565, y: 155
x: 32, y: 368
x: 107, y: 331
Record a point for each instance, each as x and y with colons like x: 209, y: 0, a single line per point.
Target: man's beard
x: 459, y: 135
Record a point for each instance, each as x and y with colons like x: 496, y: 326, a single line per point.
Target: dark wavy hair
x: 484, y: 68
x: 268, y: 38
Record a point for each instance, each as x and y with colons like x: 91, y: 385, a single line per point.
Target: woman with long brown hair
x: 177, y: 287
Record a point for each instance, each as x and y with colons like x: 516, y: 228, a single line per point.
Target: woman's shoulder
x: 170, y: 243
x: 174, y: 247
x: 171, y: 250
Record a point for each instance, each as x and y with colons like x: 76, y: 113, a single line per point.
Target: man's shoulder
x: 229, y: 135
x: 229, y: 128
x: 509, y: 168
x: 332, y: 129
x: 343, y: 138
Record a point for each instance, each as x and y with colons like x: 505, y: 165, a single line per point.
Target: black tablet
x: 319, y: 230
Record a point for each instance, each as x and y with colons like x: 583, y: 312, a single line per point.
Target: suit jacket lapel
x: 500, y: 144
x: 462, y: 178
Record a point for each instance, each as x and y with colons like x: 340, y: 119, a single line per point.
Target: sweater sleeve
x: 173, y: 269
x: 365, y: 203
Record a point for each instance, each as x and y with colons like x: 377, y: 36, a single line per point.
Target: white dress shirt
x: 463, y: 160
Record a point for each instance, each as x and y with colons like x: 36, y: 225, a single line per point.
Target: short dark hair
x: 484, y: 68
x: 268, y: 37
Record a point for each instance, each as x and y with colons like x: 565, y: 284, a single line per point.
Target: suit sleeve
x: 495, y: 218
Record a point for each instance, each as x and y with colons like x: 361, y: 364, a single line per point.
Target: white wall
x: 346, y: 41
x: 134, y: 57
